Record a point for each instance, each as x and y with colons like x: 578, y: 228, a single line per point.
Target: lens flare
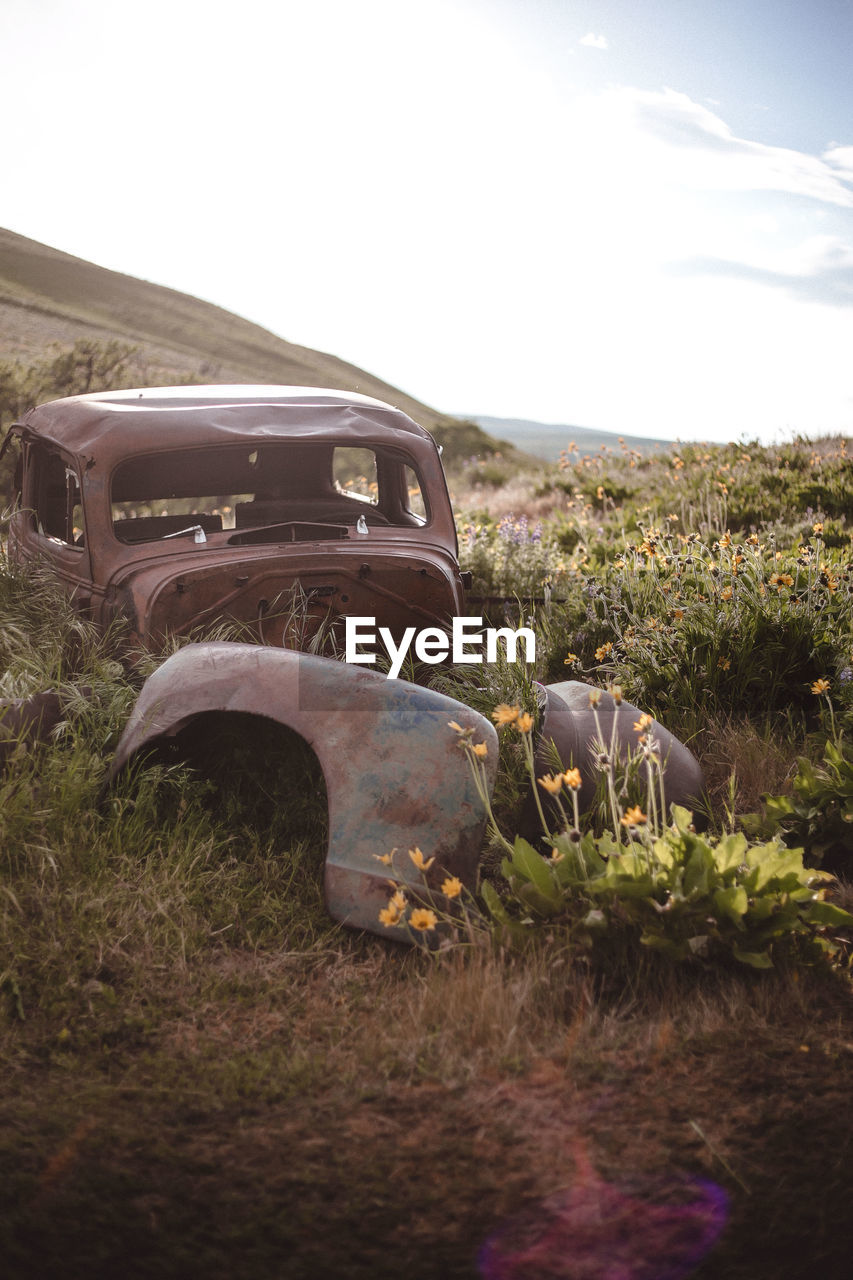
x: 596, y: 1231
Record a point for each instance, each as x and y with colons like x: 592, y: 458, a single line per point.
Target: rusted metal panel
x: 395, y: 776
x: 175, y: 507
x: 568, y: 722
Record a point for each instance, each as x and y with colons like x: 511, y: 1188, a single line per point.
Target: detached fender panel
x: 395, y: 776
x: 568, y: 722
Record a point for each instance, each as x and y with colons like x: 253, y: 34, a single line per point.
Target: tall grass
x: 204, y: 1075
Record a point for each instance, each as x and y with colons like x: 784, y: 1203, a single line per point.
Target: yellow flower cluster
x: 423, y: 919
x: 553, y: 782
x: 512, y: 717
x: 634, y: 817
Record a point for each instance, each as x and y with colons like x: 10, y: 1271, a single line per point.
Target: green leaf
x: 494, y: 904
x: 696, y: 873
x: 773, y: 862
x: 531, y: 897
x: 681, y: 817
x: 828, y: 913
x: 755, y: 959
x: 732, y: 902
x: 530, y: 864
x: 730, y: 852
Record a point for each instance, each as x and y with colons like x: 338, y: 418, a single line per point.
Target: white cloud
x: 819, y: 270
x: 699, y: 150
x: 841, y: 159
x: 500, y: 245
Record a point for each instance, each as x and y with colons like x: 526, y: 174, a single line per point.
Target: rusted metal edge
x: 395, y: 776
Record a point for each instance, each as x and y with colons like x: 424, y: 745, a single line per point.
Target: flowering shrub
x: 681, y: 894
x: 731, y: 624
x: 653, y: 884
x: 509, y: 557
x: 819, y: 813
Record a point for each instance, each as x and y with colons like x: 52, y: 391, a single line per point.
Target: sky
x: 632, y: 215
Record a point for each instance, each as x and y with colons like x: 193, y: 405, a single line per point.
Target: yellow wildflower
x: 419, y: 861
x: 385, y: 858
x: 723, y: 664
x: 524, y: 723
x: 389, y: 916
x: 503, y: 714
x: 603, y: 650
x: 615, y: 691
x: 551, y: 783
x: 397, y: 900
x: 480, y: 749
x: 556, y: 856
x: 643, y: 723
x: 818, y: 527
x: 634, y: 817
x: 423, y: 919
x: 457, y: 728
x: 726, y: 593
x: 452, y: 887
x: 572, y: 778
x: 820, y: 686
x: 570, y: 659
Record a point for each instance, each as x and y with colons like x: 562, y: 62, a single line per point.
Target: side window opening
x: 414, y: 500
x: 58, y: 508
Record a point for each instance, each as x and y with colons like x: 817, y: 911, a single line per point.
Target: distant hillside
x: 546, y: 440
x: 48, y: 296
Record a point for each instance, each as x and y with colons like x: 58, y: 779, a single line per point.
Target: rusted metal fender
x: 395, y: 776
x: 568, y: 721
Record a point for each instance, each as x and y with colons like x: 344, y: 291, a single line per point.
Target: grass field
x: 203, y: 1076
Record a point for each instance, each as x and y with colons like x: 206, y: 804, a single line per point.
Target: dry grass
x: 369, y: 1113
x: 742, y: 762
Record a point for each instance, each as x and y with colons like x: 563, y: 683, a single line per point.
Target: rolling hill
x: 547, y: 440
x: 47, y: 296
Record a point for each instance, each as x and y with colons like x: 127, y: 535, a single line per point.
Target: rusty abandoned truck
x: 288, y: 510
x: 174, y: 507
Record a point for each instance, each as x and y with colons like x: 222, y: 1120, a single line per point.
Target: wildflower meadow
x: 626, y: 1050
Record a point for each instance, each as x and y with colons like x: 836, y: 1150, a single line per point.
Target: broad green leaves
x: 682, y: 895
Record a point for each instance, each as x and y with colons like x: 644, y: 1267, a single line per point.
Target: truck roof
x: 148, y: 419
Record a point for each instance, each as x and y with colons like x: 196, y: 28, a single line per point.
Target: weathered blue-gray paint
x: 395, y: 776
